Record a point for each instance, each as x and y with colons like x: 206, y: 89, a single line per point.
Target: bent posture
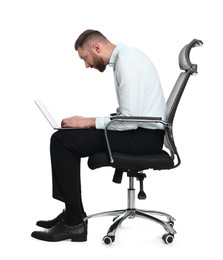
x: 139, y: 93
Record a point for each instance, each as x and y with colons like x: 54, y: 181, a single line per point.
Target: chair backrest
x: 176, y: 94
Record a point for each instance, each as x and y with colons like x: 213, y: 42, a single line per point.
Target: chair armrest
x: 137, y: 118
x: 129, y: 119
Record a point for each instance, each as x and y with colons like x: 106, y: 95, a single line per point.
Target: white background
x: 37, y: 60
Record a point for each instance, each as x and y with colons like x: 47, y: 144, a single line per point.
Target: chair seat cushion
x: 132, y: 162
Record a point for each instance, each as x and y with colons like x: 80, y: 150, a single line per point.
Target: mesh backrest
x: 176, y: 93
x: 178, y: 89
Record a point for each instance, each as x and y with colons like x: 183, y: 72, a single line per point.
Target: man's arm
x: 78, y: 122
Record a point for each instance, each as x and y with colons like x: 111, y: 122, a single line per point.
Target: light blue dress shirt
x: 138, y: 89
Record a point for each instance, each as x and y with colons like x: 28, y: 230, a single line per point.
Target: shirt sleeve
x: 101, y: 122
x: 127, y: 77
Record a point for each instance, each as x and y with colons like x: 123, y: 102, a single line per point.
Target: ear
x: 96, y: 48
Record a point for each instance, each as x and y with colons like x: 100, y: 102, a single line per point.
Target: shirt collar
x: 114, y: 55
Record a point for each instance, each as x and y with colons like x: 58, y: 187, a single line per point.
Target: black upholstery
x: 134, y: 162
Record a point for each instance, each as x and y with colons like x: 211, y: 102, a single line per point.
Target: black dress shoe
x: 53, y: 222
x: 61, y: 231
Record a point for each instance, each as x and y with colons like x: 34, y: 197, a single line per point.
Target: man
x: 139, y: 93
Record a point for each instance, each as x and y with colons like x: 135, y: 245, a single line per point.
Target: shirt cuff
x: 101, y: 122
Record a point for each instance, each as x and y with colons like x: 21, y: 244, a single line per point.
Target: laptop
x: 49, y: 117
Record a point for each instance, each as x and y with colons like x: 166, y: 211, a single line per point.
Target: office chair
x: 134, y: 165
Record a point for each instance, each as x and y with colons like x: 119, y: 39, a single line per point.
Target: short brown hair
x: 86, y: 36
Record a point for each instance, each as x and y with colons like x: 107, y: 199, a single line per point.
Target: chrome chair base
x: 130, y: 213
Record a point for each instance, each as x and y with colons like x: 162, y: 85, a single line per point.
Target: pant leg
x: 69, y: 146
x: 139, y: 141
x: 66, y: 149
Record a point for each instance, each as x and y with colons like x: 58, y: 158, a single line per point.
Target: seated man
x: 139, y: 93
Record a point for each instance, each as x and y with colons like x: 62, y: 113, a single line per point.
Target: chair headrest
x: 184, y: 56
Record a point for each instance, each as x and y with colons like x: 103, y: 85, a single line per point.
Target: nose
x: 86, y: 64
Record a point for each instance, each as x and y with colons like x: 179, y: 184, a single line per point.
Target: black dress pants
x: 69, y: 146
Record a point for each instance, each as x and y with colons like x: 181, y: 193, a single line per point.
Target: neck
x: 110, y: 49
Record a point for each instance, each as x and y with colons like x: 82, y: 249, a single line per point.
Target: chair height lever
x: 141, y: 194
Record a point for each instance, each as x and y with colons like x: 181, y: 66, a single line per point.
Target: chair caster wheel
x: 108, y: 240
x: 168, y: 238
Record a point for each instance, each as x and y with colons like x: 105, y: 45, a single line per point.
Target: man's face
x: 91, y: 59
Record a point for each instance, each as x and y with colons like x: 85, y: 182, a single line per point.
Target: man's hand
x: 78, y: 122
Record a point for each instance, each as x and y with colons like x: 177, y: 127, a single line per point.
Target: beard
x: 99, y: 63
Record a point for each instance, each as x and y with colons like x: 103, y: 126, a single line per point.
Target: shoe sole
x: 75, y: 239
